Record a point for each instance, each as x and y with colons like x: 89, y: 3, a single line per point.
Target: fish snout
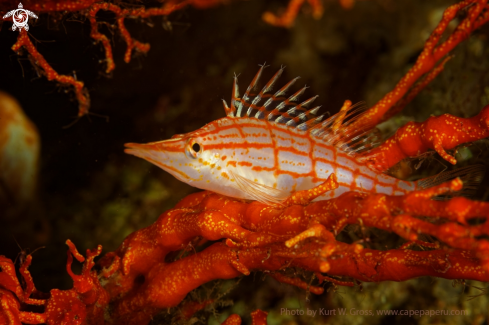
x: 149, y: 151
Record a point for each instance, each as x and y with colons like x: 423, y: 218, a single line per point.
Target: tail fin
x: 471, y: 176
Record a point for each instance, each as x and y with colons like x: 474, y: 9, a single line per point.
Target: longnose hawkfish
x: 269, y: 146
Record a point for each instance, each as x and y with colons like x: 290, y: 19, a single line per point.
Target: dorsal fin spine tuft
x: 277, y: 108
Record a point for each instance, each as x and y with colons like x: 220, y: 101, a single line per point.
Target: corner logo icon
x: 20, y: 17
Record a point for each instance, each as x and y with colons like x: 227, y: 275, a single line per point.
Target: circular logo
x: 20, y: 17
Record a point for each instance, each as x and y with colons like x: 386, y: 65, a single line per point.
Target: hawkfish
x: 271, y: 145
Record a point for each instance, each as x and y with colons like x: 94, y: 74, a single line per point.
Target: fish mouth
x: 151, y: 152
x: 162, y: 154
x: 136, y: 149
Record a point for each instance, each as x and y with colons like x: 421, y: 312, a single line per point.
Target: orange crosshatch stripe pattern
x: 305, y: 154
x: 268, y: 147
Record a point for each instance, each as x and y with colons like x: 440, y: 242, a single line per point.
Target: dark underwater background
x: 89, y: 191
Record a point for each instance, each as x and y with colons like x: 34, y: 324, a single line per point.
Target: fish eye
x: 193, y: 149
x: 196, y: 147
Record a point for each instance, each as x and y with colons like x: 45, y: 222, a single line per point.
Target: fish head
x: 184, y: 156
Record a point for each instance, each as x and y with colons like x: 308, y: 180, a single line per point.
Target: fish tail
x: 471, y: 177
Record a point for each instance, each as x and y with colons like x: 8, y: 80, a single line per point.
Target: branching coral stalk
x: 261, y: 237
x: 121, y: 15
x: 139, y: 280
x: 84, y: 303
x: 91, y: 9
x: 258, y: 317
x: 440, y: 133
x: 430, y: 59
x: 287, y: 18
x: 81, y: 93
x: 233, y: 319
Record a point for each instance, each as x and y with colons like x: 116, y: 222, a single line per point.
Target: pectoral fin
x: 259, y: 192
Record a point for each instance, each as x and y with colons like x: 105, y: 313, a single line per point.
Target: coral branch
x: 191, y: 307
x: 50, y: 5
x: 298, y: 283
x: 258, y: 317
x: 8, y: 278
x: 86, y: 302
x: 140, y: 279
x: 418, y: 87
x: 81, y: 94
x: 400, y: 265
x: 439, y: 133
x: 233, y: 319
x: 121, y: 14
x: 9, y: 308
x: 477, y: 15
x: 296, y: 235
x: 287, y: 18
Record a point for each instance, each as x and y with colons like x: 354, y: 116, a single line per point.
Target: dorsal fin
x: 338, y: 130
x: 276, y: 107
